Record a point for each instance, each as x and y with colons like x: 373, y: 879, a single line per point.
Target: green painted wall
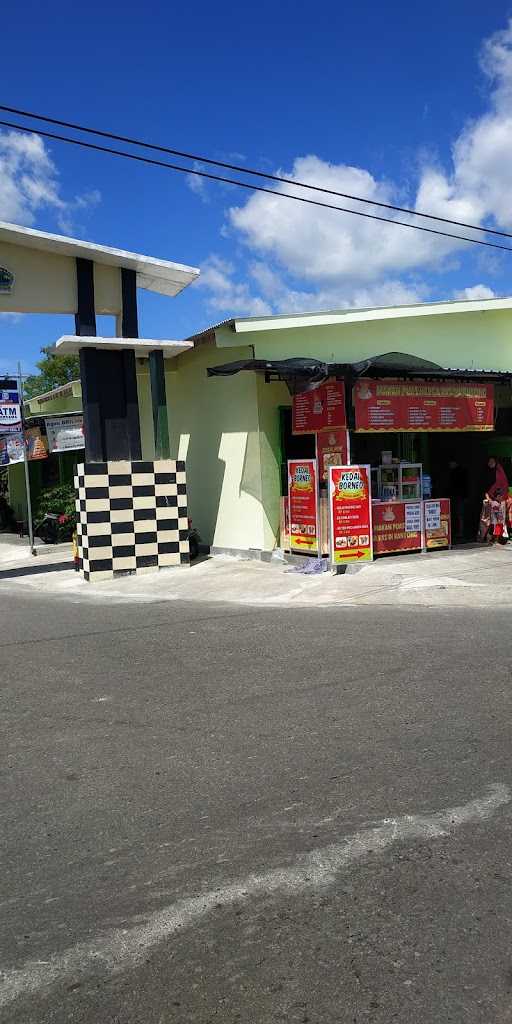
x: 472, y: 340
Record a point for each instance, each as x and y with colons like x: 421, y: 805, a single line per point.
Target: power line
x: 251, y: 187
x: 248, y: 170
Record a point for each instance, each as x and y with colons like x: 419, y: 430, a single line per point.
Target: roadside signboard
x: 10, y: 409
x: 11, y: 448
x: 397, y: 526
x: 438, y: 528
x: 319, y: 409
x: 303, y: 506
x: 350, y: 509
x: 332, y: 449
x: 422, y: 405
x: 65, y: 433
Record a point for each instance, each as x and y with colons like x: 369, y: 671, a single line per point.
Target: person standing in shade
x: 458, y: 494
x: 493, y: 518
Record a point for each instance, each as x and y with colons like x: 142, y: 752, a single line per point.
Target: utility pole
x: 25, y: 464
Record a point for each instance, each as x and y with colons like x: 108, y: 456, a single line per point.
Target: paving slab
x: 464, y: 577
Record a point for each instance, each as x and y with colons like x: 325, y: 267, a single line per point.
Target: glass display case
x: 399, y: 482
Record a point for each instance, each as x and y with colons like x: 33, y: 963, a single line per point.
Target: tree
x: 54, y: 371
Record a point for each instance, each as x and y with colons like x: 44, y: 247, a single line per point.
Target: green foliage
x: 53, y: 371
x: 59, y: 500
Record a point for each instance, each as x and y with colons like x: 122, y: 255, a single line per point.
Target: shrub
x: 59, y: 501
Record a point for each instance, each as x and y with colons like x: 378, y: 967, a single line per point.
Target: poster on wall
x: 11, y: 448
x: 37, y: 445
x: 320, y: 409
x: 438, y: 527
x: 303, y: 505
x: 10, y: 409
x: 65, y: 433
x: 332, y: 449
x: 350, y: 510
x: 421, y: 405
x: 397, y: 526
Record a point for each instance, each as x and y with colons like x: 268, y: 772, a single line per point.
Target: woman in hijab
x: 493, y: 518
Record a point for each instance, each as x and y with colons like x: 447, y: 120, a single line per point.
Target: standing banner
x: 303, y: 505
x: 65, y: 433
x: 350, y: 510
x: 438, y: 526
x: 319, y: 409
x: 11, y: 448
x: 397, y: 526
x: 332, y: 449
x: 421, y: 405
x: 37, y: 445
x: 10, y: 408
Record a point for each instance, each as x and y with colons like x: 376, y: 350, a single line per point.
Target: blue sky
x: 383, y: 100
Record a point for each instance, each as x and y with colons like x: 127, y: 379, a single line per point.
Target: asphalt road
x: 213, y: 814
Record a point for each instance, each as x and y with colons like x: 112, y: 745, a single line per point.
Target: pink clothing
x: 499, y: 488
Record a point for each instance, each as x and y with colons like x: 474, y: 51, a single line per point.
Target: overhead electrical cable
x: 250, y: 170
x: 250, y: 186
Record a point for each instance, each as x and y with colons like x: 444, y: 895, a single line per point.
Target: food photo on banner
x: 350, y: 509
x: 303, y: 506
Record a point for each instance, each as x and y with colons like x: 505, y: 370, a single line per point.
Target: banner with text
x: 65, y: 433
x: 397, y: 526
x: 438, y: 527
x: 421, y: 405
x: 332, y: 449
x: 10, y: 409
x: 303, y: 505
x: 319, y: 409
x: 350, y: 510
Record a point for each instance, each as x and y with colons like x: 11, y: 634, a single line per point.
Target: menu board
x: 319, y: 409
x: 332, y: 449
x: 438, y: 527
x: 396, y: 526
x: 303, y: 505
x: 350, y: 514
x: 421, y: 405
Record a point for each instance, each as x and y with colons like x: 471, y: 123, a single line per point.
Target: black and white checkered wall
x: 132, y: 517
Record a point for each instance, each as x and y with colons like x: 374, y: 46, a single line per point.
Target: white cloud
x: 475, y: 291
x: 341, y: 259
x: 227, y: 296
x: 29, y: 182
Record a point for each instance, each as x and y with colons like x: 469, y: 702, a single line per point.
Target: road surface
x: 221, y: 814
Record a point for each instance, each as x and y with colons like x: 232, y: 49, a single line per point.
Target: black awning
x: 301, y: 374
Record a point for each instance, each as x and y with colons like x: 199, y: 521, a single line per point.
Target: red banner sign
x: 421, y: 405
x: 350, y: 514
x: 320, y: 409
x: 332, y: 449
x: 438, y: 526
x: 396, y: 526
x: 303, y: 505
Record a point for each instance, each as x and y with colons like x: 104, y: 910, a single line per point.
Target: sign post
x: 303, y: 506
x: 350, y: 511
x: 26, y: 468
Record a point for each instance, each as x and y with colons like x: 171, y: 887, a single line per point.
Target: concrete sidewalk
x: 465, y: 577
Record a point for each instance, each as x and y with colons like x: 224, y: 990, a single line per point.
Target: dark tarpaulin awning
x: 304, y: 374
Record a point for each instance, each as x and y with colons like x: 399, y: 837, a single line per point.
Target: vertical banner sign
x: 303, y: 505
x: 322, y: 408
x: 350, y: 514
x: 10, y: 409
x: 438, y: 527
x: 332, y: 449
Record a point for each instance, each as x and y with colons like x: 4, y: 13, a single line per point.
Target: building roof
x: 69, y: 388
x: 153, y: 274
x: 70, y: 344
x: 327, y: 318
